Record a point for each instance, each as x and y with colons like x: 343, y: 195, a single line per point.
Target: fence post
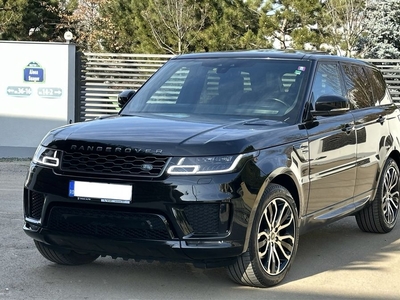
x: 78, y: 85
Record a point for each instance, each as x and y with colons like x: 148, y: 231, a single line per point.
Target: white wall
x: 37, y: 92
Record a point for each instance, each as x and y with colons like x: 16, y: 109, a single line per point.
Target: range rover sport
x: 221, y: 159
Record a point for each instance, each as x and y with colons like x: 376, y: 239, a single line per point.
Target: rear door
x: 372, y: 110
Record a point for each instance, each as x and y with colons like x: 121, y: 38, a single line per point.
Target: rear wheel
x: 65, y: 258
x: 273, y: 242
x: 381, y: 215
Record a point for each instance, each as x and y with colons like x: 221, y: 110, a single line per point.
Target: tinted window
x: 169, y: 91
x: 219, y: 86
x: 238, y: 87
x: 359, y: 91
x: 378, y: 86
x: 327, y: 81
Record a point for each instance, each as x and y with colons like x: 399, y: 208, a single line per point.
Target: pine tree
x: 179, y: 26
x: 292, y: 23
x: 28, y: 20
x: 131, y: 32
x: 231, y: 25
x: 381, y: 38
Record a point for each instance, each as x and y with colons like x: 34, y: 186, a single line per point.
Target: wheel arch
x: 395, y: 154
x: 288, y: 182
x: 284, y: 178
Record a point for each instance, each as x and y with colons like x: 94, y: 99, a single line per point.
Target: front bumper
x: 193, y: 219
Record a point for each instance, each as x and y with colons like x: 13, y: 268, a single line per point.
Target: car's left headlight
x: 47, y: 156
x: 208, y: 164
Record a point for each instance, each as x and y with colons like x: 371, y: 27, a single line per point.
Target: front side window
x: 263, y: 88
x: 327, y: 81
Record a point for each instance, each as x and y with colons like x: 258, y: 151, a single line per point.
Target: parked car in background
x: 221, y: 159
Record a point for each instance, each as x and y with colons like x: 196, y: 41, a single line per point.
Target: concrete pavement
x: 336, y: 262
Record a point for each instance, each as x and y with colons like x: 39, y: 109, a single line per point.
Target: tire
x: 380, y: 216
x: 274, y: 235
x: 65, y: 258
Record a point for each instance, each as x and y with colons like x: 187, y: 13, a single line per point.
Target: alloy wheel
x: 276, y: 236
x: 390, y: 199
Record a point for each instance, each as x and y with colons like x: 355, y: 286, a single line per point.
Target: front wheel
x: 273, y: 242
x: 380, y: 216
x: 65, y: 257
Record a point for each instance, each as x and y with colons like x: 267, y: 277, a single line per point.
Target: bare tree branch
x: 173, y: 21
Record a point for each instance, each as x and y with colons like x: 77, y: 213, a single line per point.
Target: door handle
x: 347, y: 128
x: 381, y: 119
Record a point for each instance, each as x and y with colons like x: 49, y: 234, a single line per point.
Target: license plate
x: 106, y: 192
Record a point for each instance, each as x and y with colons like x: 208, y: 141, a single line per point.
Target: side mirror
x: 124, y: 97
x: 331, y: 105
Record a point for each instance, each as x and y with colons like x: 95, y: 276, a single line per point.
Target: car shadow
x: 341, y: 246
x: 336, y: 247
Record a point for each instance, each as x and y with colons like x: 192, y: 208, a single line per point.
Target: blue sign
x: 33, y: 73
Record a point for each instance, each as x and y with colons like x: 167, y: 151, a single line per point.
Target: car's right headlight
x: 47, y: 156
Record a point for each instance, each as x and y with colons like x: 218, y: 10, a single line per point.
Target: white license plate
x: 106, y: 192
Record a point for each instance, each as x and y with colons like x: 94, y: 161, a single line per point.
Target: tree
x: 28, y: 20
x: 175, y: 24
x: 9, y: 13
x: 231, y: 25
x: 84, y: 19
x: 292, y: 23
x: 132, y: 33
x: 381, y: 37
x: 178, y: 26
x: 346, y: 19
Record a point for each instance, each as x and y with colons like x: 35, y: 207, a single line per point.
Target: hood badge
x: 109, y: 149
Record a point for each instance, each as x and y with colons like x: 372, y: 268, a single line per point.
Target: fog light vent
x: 36, y: 205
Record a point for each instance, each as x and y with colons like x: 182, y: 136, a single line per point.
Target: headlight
x: 208, y: 164
x: 46, y: 156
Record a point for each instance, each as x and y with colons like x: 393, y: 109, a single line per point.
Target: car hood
x: 169, y: 135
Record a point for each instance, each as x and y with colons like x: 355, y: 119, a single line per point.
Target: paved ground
x: 336, y: 262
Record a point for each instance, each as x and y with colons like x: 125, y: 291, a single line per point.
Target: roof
x: 271, y: 53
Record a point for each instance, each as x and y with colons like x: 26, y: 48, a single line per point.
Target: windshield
x: 257, y: 88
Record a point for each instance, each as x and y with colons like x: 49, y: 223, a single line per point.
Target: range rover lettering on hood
x: 110, y: 149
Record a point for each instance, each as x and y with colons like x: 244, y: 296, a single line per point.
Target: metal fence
x: 102, y: 76
x: 390, y: 69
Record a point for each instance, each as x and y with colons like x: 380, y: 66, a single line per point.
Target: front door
x: 332, y: 151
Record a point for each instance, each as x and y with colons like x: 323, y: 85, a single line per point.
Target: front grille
x: 204, y: 218
x: 108, y: 224
x: 150, y: 166
x: 36, y: 205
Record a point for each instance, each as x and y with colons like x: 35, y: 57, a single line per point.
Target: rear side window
x: 359, y: 90
x: 378, y: 85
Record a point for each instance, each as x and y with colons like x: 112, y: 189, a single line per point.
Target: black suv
x: 221, y: 159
